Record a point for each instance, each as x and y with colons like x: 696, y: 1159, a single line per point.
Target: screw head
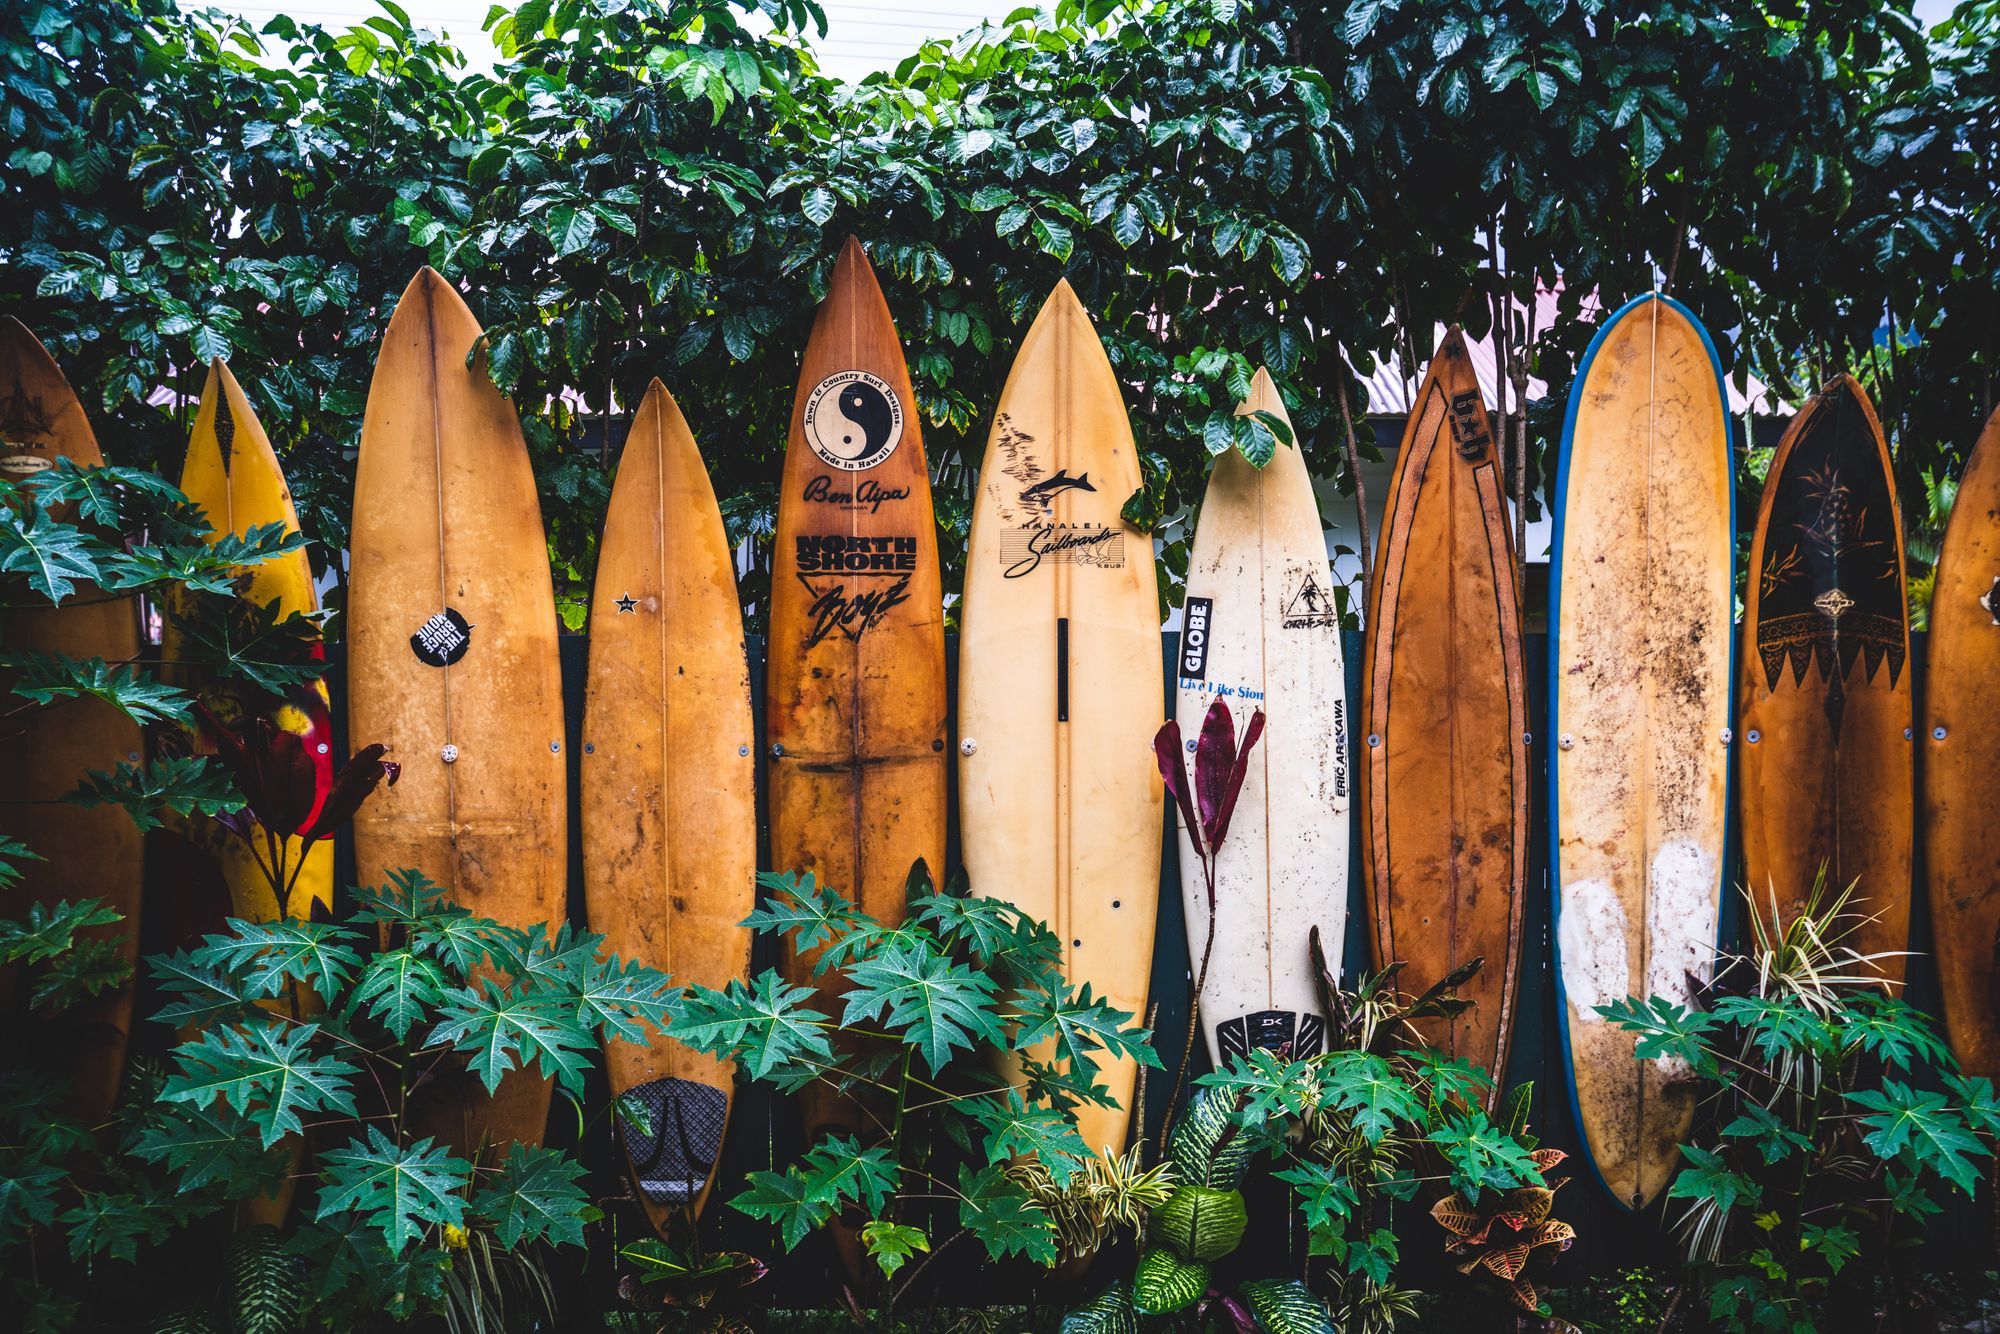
x: 1527, y: 738
x: 1908, y: 733
x: 777, y: 750
x: 449, y: 753
x: 322, y: 748
x: 1374, y: 739
x: 1566, y: 741
x: 555, y: 747
x: 1937, y: 733
x: 1728, y: 735
x: 937, y: 744
x: 590, y: 747
x: 743, y: 750
x: 1190, y: 746
x: 968, y: 747
x: 1753, y: 736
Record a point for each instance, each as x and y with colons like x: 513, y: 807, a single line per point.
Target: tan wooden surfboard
x: 855, y: 694
x: 1445, y: 753
x: 1962, y: 760
x: 669, y: 785
x: 452, y: 659
x: 1060, y: 688
x: 232, y: 472
x: 1261, y: 630
x: 1640, y: 684
x: 1823, y: 697
x: 94, y: 852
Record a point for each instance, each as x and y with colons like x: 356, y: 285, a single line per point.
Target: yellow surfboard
x: 669, y: 786
x: 234, y: 475
x: 1060, y: 688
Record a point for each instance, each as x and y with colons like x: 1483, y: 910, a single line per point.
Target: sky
x: 862, y: 35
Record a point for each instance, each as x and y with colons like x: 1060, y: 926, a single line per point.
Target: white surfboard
x: 1261, y: 630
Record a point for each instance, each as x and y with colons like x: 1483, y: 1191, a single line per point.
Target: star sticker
x: 1992, y: 600
x: 627, y: 603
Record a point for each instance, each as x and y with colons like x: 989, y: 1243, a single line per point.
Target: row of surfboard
x: 452, y: 661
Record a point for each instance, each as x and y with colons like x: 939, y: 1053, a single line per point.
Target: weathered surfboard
x: 91, y: 852
x: 232, y: 472
x: 668, y: 795
x: 1445, y: 753
x: 1060, y: 688
x: 1639, y: 628
x: 1261, y: 631
x: 855, y: 695
x: 452, y: 659
x: 1823, y: 697
x: 1962, y: 759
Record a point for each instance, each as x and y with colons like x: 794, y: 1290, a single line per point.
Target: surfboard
x: 1962, y: 756
x: 1059, y: 679
x: 1261, y: 630
x: 855, y: 692
x: 668, y: 794
x: 452, y: 660
x: 90, y: 853
x: 1641, y: 576
x: 1824, y: 683
x: 232, y: 472
x: 1445, y: 733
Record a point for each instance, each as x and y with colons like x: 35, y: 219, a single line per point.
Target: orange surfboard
x: 855, y: 698
x: 1962, y: 760
x: 94, y: 852
x: 1823, y: 691
x: 452, y: 659
x: 1445, y: 736
x: 669, y: 786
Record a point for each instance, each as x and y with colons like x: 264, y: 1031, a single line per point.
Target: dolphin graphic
x: 1044, y: 493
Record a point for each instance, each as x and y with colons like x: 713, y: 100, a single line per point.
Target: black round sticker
x: 442, y: 640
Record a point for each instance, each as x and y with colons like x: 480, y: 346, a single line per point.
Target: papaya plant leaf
x: 937, y: 1004
x: 398, y: 1189
x: 765, y: 1024
x: 1013, y: 1128
x: 1001, y: 1215
x: 320, y: 955
x: 182, y: 785
x: 397, y: 989
x: 44, y: 678
x: 534, y: 1197
x: 503, y: 1029
x: 265, y: 1070
x: 891, y: 1245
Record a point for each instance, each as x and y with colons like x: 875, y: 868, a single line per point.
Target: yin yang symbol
x: 853, y: 420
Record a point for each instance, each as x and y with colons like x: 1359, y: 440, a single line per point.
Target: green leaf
x: 795, y: 906
x: 1833, y: 1243
x: 1285, y: 1306
x: 783, y: 1198
x: 43, y: 678
x: 764, y: 1025
x: 1201, y: 1222
x: 1710, y: 1178
x: 266, y: 1071
x: 320, y: 955
x: 30, y: 1187
x: 1666, y: 1031
x: 267, y: 1283
x: 398, y: 1189
x: 1208, y: 1147
x: 182, y: 784
x: 1774, y: 1140
x: 1164, y: 1282
x: 504, y: 1029
x: 201, y: 995
x: 1001, y: 1214
x: 570, y: 229
x: 838, y: 1171
x: 1367, y: 1088
x: 49, y: 929
x: 1079, y: 1026
x: 1326, y: 1199
x: 1482, y: 1156
x: 937, y: 1004
x: 892, y: 1244
x: 50, y: 555
x: 535, y: 1197
x: 1901, y: 1120
x: 213, y: 1146
x: 1013, y: 1128
x: 13, y: 852
x: 397, y: 989
x: 1110, y: 1312
x: 107, y: 1224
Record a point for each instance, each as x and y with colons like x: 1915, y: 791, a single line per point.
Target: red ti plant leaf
x: 1167, y: 745
x: 1219, y: 829
x: 1214, y: 753
x: 360, y: 776
x: 275, y: 774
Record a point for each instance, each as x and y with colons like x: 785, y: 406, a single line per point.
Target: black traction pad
x: 672, y: 1164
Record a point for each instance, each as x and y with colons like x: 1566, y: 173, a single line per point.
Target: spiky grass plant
x: 1104, y: 1197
